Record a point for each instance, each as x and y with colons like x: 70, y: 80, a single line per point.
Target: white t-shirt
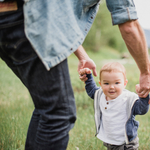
x: 114, y: 117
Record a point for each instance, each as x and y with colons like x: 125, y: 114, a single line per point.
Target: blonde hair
x: 113, y: 66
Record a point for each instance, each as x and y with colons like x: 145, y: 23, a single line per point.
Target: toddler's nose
x: 111, y: 86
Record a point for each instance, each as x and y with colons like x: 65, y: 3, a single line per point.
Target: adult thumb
x: 94, y: 71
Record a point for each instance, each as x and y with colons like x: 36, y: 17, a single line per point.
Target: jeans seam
x: 65, y: 87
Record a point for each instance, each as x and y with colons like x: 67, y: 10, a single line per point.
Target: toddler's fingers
x: 81, y: 72
x: 143, y: 94
x: 84, y: 71
x: 137, y: 88
x: 88, y: 71
x: 83, y: 78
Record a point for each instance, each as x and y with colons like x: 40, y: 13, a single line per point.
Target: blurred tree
x: 103, y: 33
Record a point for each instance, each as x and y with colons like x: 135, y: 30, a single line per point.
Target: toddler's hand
x: 83, y: 72
x: 137, y: 88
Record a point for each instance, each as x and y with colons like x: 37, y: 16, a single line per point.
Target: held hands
x: 137, y: 88
x: 87, y: 64
x: 83, y: 72
x: 84, y: 60
x: 144, y: 85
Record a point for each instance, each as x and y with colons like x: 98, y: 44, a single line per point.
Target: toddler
x: 115, y: 107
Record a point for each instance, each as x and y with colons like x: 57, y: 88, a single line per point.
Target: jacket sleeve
x: 121, y: 11
x: 141, y: 106
x: 90, y: 86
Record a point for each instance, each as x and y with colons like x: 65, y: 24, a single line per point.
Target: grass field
x: 16, y: 108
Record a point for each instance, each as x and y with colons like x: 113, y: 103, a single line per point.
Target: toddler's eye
x: 117, y: 82
x: 106, y: 83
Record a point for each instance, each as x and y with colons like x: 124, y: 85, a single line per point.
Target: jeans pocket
x: 19, y: 52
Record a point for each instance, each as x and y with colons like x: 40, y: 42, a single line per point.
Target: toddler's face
x: 112, y: 84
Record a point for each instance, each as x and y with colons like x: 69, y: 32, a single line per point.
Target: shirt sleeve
x: 90, y: 86
x: 121, y: 11
x: 141, y: 106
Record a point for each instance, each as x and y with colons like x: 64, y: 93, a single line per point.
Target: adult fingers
x: 94, y: 71
x: 143, y: 94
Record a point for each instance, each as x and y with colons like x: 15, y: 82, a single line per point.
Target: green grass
x: 16, y: 107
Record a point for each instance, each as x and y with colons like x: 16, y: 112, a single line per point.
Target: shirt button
x: 107, y: 103
x: 71, y: 49
x: 85, y: 29
x: 105, y: 107
x: 91, y: 17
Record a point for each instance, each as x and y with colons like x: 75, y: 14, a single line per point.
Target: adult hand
x: 84, y: 60
x: 88, y: 63
x: 144, y: 85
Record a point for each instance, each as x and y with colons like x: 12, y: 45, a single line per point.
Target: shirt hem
x: 113, y: 143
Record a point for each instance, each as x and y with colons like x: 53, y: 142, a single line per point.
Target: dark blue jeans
x: 51, y: 91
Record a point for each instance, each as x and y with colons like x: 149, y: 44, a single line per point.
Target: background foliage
x: 103, y: 33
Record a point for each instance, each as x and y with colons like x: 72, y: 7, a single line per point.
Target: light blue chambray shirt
x: 56, y: 28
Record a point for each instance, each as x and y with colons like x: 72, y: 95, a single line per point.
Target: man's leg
x: 32, y: 135
x: 32, y: 130
x: 51, y: 91
x: 54, y: 102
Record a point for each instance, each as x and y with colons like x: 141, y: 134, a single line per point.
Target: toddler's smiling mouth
x: 112, y: 92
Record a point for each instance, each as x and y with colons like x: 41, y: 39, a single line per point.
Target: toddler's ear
x: 99, y: 83
x: 125, y: 83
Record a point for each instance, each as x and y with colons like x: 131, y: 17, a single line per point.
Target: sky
x: 143, y: 11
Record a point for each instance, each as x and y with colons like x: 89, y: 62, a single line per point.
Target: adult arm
x: 84, y: 60
x: 90, y: 86
x: 124, y: 15
x: 134, y: 38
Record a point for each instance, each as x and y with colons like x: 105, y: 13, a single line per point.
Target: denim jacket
x: 135, y: 106
x: 55, y: 28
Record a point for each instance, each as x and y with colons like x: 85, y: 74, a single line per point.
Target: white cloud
x: 143, y: 11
